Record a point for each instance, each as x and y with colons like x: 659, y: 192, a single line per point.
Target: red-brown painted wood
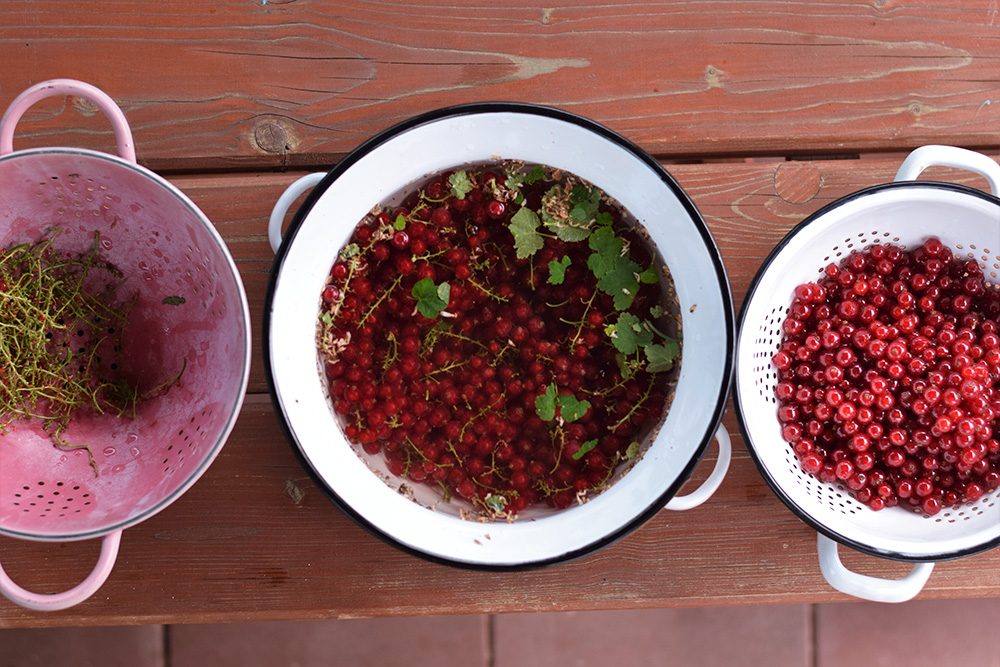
x: 256, y: 539
x: 271, y: 83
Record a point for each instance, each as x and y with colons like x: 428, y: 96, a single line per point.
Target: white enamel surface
x: 906, y: 216
x: 864, y: 586
x: 410, y: 157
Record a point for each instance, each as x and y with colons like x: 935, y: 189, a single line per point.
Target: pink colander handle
x: 75, y: 595
x: 52, y: 87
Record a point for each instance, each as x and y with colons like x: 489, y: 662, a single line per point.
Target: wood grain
x: 740, y: 202
x: 241, y: 84
x: 255, y: 539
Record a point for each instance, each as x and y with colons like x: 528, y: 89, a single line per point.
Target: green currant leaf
x: 326, y: 317
x: 557, y: 270
x: 661, y: 357
x: 431, y: 298
x: 524, y: 226
x: 626, y: 365
x: 621, y: 282
x: 545, y: 404
x: 643, y: 333
x: 584, y: 203
x: 656, y: 312
x: 567, y: 230
x: 624, y: 338
x: 536, y: 174
x: 460, y: 184
x: 399, y: 223
x: 607, y: 249
x: 604, y: 218
x: 650, y: 276
x: 496, y: 503
x: 632, y: 451
x: 571, y: 409
x: 584, y: 449
x: 350, y: 250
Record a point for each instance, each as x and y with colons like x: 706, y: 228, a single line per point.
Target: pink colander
x: 185, y: 345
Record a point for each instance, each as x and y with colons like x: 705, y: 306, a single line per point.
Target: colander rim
x: 738, y: 403
x: 247, y: 354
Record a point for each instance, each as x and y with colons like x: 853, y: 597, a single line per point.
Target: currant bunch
x: 889, y: 377
x: 469, y: 367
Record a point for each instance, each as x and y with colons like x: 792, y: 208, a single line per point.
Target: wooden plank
x: 255, y: 539
x: 748, y: 206
x: 268, y: 83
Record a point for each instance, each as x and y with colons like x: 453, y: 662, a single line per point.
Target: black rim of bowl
x: 738, y: 404
x: 534, y: 110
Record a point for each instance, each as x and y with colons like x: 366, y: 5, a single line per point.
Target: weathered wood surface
x: 240, y: 84
x: 255, y: 539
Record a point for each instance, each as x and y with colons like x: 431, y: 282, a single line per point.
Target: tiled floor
x: 915, y: 634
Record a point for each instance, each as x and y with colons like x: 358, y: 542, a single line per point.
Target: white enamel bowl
x: 407, y: 154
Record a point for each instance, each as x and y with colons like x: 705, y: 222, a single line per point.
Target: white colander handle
x: 950, y: 156
x: 710, y: 485
x: 281, y: 207
x: 52, y: 87
x: 74, y: 596
x: 866, y: 587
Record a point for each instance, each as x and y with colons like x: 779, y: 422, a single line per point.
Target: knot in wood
x: 797, y: 182
x: 271, y: 137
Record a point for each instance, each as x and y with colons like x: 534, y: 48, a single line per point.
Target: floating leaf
x: 568, y: 230
x: 431, y: 298
x: 571, y: 409
x: 661, y: 357
x: 460, y: 184
x: 496, y: 503
x: 607, y: 249
x: 632, y: 451
x: 557, y: 270
x: 584, y: 449
x: 624, y: 329
x: 584, y: 202
x: 524, y: 226
x: 537, y: 173
x: 621, y: 282
x: 545, y: 404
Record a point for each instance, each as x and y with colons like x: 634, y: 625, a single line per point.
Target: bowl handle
x: 710, y: 485
x: 52, y: 87
x: 74, y: 596
x: 280, y: 209
x: 950, y: 156
x: 866, y: 587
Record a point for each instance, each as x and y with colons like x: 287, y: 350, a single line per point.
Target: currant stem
x: 382, y: 297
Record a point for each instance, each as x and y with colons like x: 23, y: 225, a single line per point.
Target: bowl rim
x: 487, y: 108
x: 738, y: 406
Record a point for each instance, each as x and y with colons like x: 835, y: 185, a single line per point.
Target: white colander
x: 905, y: 212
